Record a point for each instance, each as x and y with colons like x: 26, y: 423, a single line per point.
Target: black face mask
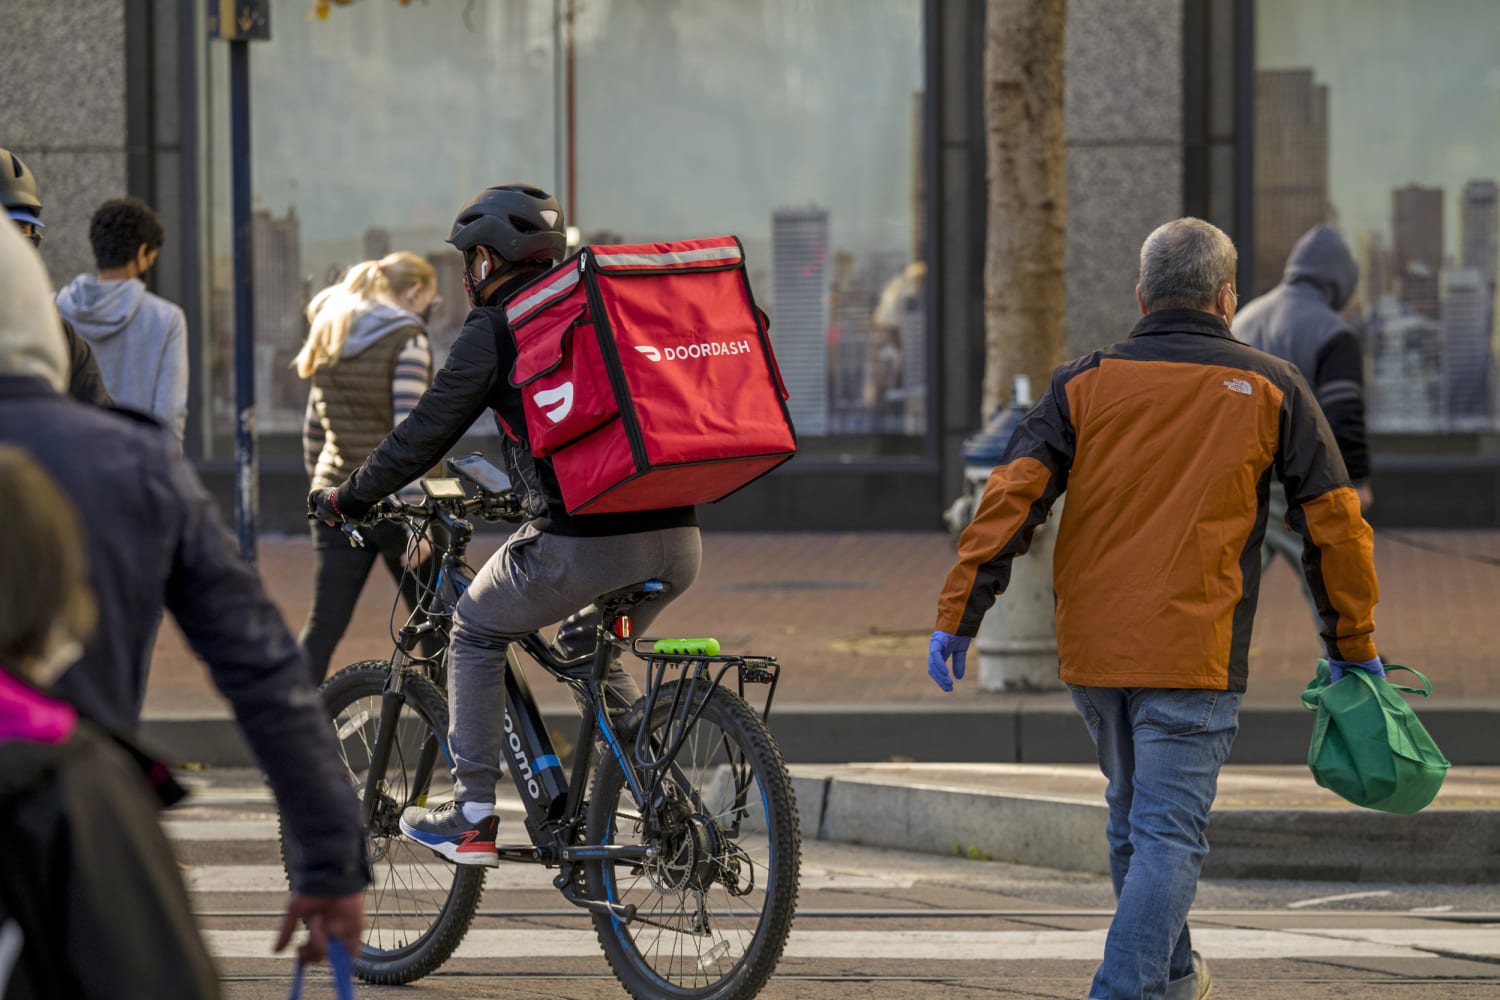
x: 426, y: 314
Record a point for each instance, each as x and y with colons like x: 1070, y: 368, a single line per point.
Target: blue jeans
x: 1161, y: 750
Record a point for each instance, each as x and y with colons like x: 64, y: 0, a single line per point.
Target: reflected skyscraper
x: 1291, y: 166
x: 799, y: 324
x: 1466, y: 347
x: 1417, y: 246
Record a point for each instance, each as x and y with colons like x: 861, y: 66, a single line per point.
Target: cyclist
x: 555, y: 563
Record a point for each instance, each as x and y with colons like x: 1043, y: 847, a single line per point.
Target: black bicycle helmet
x: 18, y: 192
x: 519, y: 222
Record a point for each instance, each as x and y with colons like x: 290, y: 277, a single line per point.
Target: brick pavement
x: 848, y: 615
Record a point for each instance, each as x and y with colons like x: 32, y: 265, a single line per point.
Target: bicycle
x: 684, y: 846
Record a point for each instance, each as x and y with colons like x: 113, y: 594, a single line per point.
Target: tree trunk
x: 1024, y: 288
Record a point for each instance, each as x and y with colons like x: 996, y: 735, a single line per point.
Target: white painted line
x: 270, y: 878
x: 1320, y: 900
x: 984, y: 946
x: 185, y: 830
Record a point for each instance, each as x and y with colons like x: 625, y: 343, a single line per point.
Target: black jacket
x: 89, y: 881
x: 85, y: 383
x: 155, y: 539
x: 475, y: 378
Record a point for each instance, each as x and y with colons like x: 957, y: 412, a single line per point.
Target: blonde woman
x: 368, y: 359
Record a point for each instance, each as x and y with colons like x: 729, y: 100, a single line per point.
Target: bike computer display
x: 479, y: 471
x: 443, y: 489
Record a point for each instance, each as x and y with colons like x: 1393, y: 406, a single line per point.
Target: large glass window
x: 1383, y: 118
x: 793, y: 125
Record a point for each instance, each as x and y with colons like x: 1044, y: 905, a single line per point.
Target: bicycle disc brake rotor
x: 688, y: 855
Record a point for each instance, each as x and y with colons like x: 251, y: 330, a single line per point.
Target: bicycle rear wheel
x: 714, y: 905
x: 419, y: 905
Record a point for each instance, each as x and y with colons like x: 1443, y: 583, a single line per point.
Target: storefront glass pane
x: 794, y: 125
x: 1382, y: 117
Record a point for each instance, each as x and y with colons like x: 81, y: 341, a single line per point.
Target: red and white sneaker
x: 445, y: 831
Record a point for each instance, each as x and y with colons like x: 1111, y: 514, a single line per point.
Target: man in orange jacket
x: 1166, y: 443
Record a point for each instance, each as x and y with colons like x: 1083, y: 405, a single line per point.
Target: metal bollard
x: 1017, y: 641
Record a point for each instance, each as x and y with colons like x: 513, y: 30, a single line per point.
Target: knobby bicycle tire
x: 710, y: 863
x: 393, y: 953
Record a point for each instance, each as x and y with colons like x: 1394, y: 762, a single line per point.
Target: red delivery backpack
x: 646, y: 375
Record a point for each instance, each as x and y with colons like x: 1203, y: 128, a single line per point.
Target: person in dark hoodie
x: 1300, y: 321
x: 369, y: 361
x: 86, y: 869
x: 154, y: 539
x: 139, y: 337
x: 23, y: 203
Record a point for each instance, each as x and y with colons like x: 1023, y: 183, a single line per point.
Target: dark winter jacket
x: 85, y: 384
x: 89, y: 890
x: 476, y: 378
x: 1299, y: 321
x: 1166, y: 443
x: 155, y: 538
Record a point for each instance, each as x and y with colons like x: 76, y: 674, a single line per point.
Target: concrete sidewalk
x: 848, y: 616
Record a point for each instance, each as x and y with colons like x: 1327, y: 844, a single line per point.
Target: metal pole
x: 246, y: 472
x: 571, y: 205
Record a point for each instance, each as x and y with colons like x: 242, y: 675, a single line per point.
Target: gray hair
x: 1184, y: 264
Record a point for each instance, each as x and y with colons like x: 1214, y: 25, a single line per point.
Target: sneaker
x: 1196, y: 985
x: 446, y: 832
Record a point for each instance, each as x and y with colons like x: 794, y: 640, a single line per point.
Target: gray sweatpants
x: 534, y: 580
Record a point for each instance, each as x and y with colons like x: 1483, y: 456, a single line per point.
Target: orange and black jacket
x: 1166, y: 443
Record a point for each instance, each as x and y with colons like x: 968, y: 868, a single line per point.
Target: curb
x: 1017, y: 731
x: 1447, y: 845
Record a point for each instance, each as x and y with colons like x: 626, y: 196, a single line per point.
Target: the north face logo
x: 1238, y: 385
x: 559, y: 399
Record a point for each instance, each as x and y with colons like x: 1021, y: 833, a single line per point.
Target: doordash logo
x: 711, y: 349
x: 555, y: 404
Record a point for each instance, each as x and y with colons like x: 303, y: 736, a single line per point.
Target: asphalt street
x: 877, y: 923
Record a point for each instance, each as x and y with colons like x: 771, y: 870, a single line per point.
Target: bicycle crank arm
x: 608, y: 852
x: 569, y: 890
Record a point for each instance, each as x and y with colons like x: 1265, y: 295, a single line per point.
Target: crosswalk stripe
x: 986, y: 946
x: 271, y: 878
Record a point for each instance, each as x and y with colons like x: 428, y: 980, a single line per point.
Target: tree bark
x: 1024, y: 290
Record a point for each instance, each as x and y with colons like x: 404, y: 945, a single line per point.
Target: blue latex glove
x: 1336, y: 668
x: 943, y: 646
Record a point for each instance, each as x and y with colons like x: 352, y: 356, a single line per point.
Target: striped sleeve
x: 313, y: 435
x: 1338, y: 549
x: 411, y: 377
x: 1020, y: 492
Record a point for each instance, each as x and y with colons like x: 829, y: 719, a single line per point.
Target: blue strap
x: 339, y: 964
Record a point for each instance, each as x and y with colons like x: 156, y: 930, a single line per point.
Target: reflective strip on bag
x: 724, y: 253
x: 552, y: 290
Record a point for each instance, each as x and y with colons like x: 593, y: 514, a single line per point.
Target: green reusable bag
x: 1368, y: 746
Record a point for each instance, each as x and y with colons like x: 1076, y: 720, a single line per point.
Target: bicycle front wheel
x: 714, y: 900
x: 419, y: 905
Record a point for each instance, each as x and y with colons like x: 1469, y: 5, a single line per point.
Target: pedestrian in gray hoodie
x: 1300, y: 321
x: 139, y: 338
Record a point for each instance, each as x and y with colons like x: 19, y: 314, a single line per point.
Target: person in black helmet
x: 23, y: 203
x: 555, y: 563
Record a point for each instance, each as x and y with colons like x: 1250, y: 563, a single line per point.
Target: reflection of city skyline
x: 1428, y: 318
x: 848, y: 329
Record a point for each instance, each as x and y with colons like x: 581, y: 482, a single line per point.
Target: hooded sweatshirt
x: 31, y: 338
x: 140, y: 341
x: 1299, y: 321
